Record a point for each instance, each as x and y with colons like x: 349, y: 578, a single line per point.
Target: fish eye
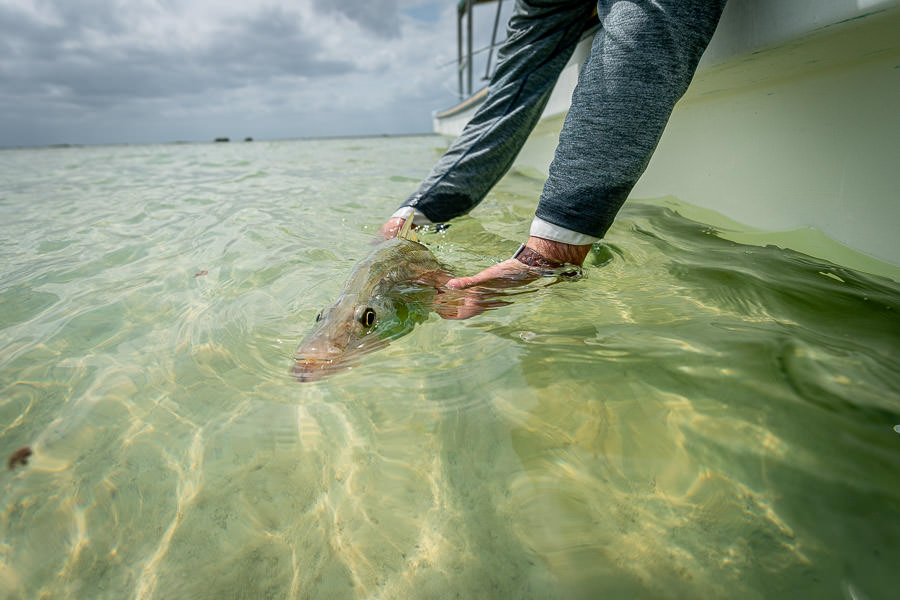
x: 367, y: 318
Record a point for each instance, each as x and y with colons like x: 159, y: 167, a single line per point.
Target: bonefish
x: 383, y: 298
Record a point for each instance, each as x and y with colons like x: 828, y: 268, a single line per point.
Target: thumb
x: 509, y: 273
x: 461, y: 283
x: 490, y: 274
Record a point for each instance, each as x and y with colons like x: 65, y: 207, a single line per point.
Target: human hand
x: 469, y: 296
x: 390, y: 228
x: 547, y: 255
x: 509, y: 273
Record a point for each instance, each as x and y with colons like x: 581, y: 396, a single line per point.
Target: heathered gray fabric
x: 641, y: 62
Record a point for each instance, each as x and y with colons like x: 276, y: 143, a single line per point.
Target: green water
x: 694, y: 418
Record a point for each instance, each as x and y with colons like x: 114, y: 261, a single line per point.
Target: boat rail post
x: 487, y: 68
x: 459, y: 52
x: 469, y: 43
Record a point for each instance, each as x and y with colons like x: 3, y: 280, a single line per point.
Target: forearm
x: 541, y: 41
x: 640, y: 64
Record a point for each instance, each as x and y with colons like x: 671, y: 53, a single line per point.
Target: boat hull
x: 790, y: 122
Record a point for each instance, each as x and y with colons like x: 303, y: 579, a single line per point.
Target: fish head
x: 386, y: 294
x: 350, y: 327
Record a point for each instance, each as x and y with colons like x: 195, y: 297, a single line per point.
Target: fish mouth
x: 307, y: 369
x: 310, y: 366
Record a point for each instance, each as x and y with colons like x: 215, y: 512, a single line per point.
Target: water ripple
x: 680, y: 422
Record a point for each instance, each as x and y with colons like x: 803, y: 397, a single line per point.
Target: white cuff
x: 542, y: 229
x: 419, y: 217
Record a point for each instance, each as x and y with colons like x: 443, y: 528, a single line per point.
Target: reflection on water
x: 692, y: 418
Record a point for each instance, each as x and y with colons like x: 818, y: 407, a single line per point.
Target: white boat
x: 791, y: 124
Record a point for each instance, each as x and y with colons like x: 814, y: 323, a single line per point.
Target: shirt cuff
x: 419, y: 217
x: 542, y: 229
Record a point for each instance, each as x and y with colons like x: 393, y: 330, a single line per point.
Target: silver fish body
x: 386, y: 294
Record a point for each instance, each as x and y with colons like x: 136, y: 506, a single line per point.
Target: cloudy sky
x: 133, y: 71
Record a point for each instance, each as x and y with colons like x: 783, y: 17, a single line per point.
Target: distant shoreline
x: 62, y: 146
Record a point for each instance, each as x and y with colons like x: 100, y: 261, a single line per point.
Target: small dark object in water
x: 201, y: 273
x: 19, y: 457
x: 222, y: 139
x: 248, y: 139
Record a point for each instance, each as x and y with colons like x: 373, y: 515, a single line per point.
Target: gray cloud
x: 377, y: 16
x: 94, y: 71
x: 52, y: 59
x: 270, y: 44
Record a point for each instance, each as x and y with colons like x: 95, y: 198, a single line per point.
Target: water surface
x: 695, y: 417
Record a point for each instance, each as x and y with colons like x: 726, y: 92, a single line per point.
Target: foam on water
x: 695, y: 417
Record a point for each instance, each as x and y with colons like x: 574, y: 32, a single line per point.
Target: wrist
x: 559, y: 251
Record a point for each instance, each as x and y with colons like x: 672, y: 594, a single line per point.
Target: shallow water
x: 692, y: 418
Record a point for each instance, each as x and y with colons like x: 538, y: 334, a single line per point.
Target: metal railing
x: 464, y: 62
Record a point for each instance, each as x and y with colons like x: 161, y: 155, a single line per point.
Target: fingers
x: 461, y: 283
x: 463, y: 305
x: 491, y: 273
x: 390, y: 228
x: 462, y: 308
